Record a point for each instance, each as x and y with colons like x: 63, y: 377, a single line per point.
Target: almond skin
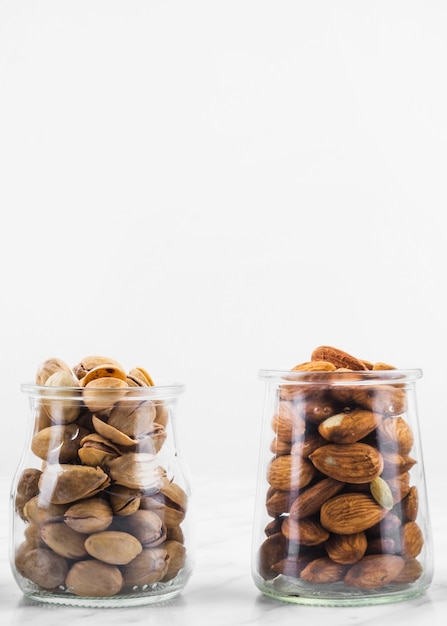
x: 349, y: 427
x: 290, y: 472
x: 354, y: 463
x: 309, y: 501
x: 374, y: 571
x: 349, y: 513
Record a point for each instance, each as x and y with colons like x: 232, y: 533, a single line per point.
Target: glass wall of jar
x: 341, y: 509
x: 100, y: 499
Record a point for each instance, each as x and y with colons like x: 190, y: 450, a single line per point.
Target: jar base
x: 102, y: 602
x: 340, y: 599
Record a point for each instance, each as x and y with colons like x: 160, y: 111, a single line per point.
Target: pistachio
x: 64, y: 484
x: 96, y: 451
x: 124, y: 500
x: 94, y: 578
x: 137, y: 471
x: 49, y: 367
x: 63, y: 540
x: 90, y: 362
x: 27, y: 488
x: 66, y: 407
x: 147, y: 527
x: 148, y: 567
x: 141, y: 377
x: 89, y: 516
x: 177, y: 556
x: 113, y: 546
x: 58, y: 443
x: 38, y: 511
x: 134, y: 418
x: 100, y: 394
x: 169, y: 503
x: 43, y: 567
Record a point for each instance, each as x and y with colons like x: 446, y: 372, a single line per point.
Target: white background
x: 209, y: 188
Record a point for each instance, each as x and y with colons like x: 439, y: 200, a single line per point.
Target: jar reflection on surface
x: 341, y: 509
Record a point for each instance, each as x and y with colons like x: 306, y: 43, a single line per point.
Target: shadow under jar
x: 100, y: 499
x: 341, y: 514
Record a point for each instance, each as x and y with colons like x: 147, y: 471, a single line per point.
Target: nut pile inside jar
x: 101, y: 514
x: 340, y: 495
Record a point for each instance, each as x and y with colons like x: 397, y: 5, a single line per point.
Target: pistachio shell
x: 147, y: 568
x: 90, y: 362
x: 113, y: 546
x: 49, y: 367
x: 64, y: 540
x: 177, y: 556
x: 147, y: 527
x: 43, y: 567
x: 94, y: 578
x: 89, y: 516
x: 137, y: 471
x: 64, y: 484
x: 66, y: 407
x: 101, y: 394
x: 124, y: 500
x: 96, y: 450
x: 27, y: 488
x: 112, y: 434
x: 133, y: 419
x: 58, y: 443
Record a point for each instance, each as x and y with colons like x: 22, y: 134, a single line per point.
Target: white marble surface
x: 221, y: 591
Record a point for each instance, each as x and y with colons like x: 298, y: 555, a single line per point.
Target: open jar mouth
x: 354, y: 377
x: 154, y: 392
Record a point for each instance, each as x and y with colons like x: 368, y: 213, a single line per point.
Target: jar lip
x: 354, y: 377
x: 156, y: 392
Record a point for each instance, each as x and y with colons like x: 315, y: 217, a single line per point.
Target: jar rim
x: 353, y: 377
x: 155, y: 392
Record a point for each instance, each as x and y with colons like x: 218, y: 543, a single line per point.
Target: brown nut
x: 374, y: 571
x: 113, y: 546
x: 94, y: 578
x: 354, y: 463
x: 63, y: 540
x: 349, y: 513
x: 323, y: 570
x: 43, y: 567
x: 290, y: 472
x: 89, y: 516
x: 147, y: 568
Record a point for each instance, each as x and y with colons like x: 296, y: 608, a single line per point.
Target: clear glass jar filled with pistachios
x: 100, y: 501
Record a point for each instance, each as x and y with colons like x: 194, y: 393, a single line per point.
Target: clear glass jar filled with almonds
x: 100, y: 499
x: 341, y: 509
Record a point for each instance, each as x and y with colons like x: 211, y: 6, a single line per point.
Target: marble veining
x: 221, y: 591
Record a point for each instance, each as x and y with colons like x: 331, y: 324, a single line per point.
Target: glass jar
x: 100, y: 500
x: 341, y: 514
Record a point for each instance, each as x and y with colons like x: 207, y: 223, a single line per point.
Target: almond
x: 412, y: 571
x: 396, y: 435
x: 290, y: 472
x: 349, y: 513
x: 374, y: 571
x: 349, y: 427
x: 287, y: 424
x: 305, y: 532
x: 385, y: 399
x: 412, y: 539
x: 338, y: 357
x: 346, y: 549
x: 354, y: 463
x: 323, y: 570
x: 410, y: 505
x: 309, y: 501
